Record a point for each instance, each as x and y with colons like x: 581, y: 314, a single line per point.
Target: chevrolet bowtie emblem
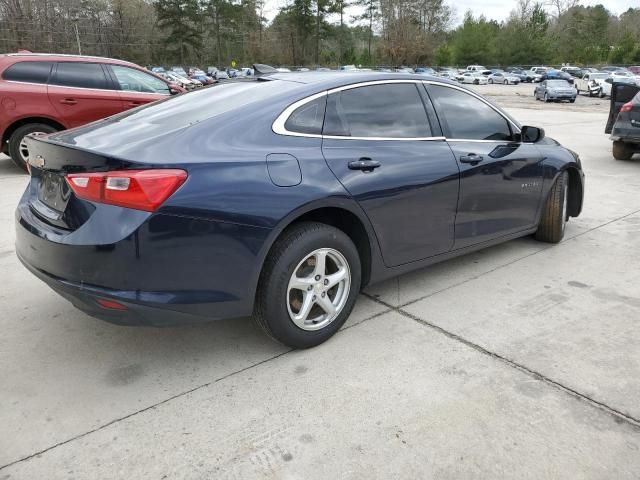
x: 37, y: 162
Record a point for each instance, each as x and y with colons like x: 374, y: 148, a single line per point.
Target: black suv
x: 624, y: 120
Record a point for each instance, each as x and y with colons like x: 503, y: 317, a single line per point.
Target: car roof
x: 339, y: 78
x: 66, y: 57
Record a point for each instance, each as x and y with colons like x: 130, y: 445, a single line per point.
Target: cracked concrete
x: 518, y: 361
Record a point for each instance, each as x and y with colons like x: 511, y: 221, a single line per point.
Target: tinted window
x: 466, y: 117
x: 391, y: 110
x: 34, y: 72
x: 134, y: 80
x: 308, y: 118
x: 84, y: 75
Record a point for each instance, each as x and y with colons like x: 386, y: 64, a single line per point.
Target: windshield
x: 557, y: 83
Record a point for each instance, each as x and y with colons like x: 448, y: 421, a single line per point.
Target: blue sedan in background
x: 281, y: 197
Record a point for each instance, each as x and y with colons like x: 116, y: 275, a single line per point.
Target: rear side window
x: 82, y: 75
x: 32, y: 72
x: 466, y: 117
x: 308, y: 118
x: 133, y: 80
x: 393, y: 110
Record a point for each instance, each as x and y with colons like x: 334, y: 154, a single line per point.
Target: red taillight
x: 137, y: 189
x: 627, y: 107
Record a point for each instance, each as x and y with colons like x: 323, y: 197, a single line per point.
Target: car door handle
x: 471, y: 158
x: 365, y: 164
x: 134, y: 104
x: 69, y: 101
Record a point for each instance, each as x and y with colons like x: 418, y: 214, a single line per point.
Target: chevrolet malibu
x: 280, y: 198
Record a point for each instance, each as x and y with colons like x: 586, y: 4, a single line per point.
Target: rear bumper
x: 85, y: 297
x: 167, y: 270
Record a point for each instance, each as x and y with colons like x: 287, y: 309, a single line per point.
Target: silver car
x: 504, y: 78
x: 555, y: 91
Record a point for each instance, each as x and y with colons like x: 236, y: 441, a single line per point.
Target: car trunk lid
x: 621, y: 93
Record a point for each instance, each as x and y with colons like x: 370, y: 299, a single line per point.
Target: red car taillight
x: 627, y: 107
x: 137, y: 189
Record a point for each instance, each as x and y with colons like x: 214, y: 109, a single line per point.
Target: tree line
x: 321, y: 32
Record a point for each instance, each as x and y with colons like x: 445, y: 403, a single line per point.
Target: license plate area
x: 53, y: 192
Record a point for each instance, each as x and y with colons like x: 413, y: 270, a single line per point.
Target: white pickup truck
x: 594, y: 83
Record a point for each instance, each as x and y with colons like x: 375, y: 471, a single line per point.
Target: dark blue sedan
x: 280, y: 198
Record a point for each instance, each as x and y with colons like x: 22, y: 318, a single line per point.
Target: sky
x: 492, y: 9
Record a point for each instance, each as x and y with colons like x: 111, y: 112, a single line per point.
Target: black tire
x: 476, y: 82
x: 546, y: 98
x: 622, y: 151
x: 573, y: 100
x: 552, y: 223
x: 271, y: 309
x: 491, y: 81
x: 18, y: 136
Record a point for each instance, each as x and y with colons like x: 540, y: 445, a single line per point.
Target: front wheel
x: 491, y: 81
x: 309, y: 285
x: 546, y: 98
x: 18, y: 150
x: 554, y: 216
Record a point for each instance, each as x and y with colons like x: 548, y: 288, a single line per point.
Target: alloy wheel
x: 23, y: 149
x: 318, y: 289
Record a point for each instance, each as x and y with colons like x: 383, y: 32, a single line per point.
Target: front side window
x: 32, y: 72
x: 393, y: 110
x: 133, y: 80
x: 466, y: 117
x: 307, y: 118
x: 81, y: 75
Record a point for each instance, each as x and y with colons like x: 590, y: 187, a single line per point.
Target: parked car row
x: 45, y: 93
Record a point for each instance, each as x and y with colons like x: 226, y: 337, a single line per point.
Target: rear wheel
x: 546, y: 98
x: 554, y: 216
x: 18, y: 150
x: 309, y: 285
x: 622, y: 151
x: 505, y: 82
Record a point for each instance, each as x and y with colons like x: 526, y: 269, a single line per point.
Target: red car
x: 46, y: 93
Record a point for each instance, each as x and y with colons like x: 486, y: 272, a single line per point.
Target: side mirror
x: 531, y: 134
x: 174, y: 89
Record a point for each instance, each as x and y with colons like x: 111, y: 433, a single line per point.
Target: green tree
x: 443, y: 55
x: 181, y: 19
x: 475, y: 40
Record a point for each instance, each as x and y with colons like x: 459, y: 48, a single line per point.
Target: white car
x: 475, y: 68
x: 623, y: 76
x: 472, y: 77
x: 503, y: 78
x: 594, y: 83
x: 539, y: 70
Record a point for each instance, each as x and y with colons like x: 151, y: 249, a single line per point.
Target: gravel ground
x: 521, y: 96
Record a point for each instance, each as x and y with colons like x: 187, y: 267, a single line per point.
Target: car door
x: 137, y: 87
x: 621, y: 93
x: 379, y: 143
x: 500, y: 177
x: 81, y: 92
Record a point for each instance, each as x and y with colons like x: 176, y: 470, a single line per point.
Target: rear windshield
x: 558, y: 83
x: 32, y: 72
x: 207, y: 102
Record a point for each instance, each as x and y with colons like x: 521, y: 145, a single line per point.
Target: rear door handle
x: 365, y: 164
x: 134, y: 104
x: 471, y: 158
x: 69, y: 101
